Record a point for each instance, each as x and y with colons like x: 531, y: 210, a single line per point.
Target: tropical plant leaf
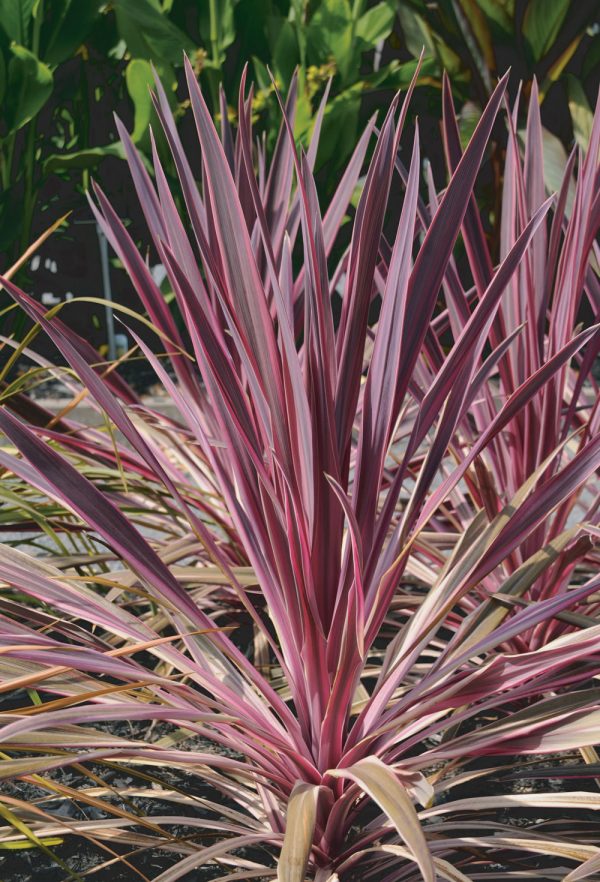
x: 28, y: 87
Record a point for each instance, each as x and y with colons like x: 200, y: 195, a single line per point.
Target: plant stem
x: 4, y: 173
x: 28, y: 188
x: 85, y: 120
x: 7, y: 160
x: 37, y: 27
x: 215, y: 54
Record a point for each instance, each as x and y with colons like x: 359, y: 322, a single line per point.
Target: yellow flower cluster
x: 316, y: 76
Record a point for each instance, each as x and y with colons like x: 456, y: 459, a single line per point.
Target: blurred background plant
x: 67, y: 65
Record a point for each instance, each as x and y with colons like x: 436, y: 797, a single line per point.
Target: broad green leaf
x: 340, y: 124
x: 299, y: 830
x: 542, y: 23
x: 2, y: 77
x: 261, y: 73
x: 591, y: 60
x: 285, y: 53
x: 88, y: 158
x: 29, y: 85
x: 449, y: 60
x: 15, y: 19
x: 80, y: 159
x: 581, y: 114
x: 376, y: 24
x: 139, y: 80
x: 417, y: 33
x: 69, y: 25
x: 304, y: 115
x: 555, y: 161
x: 149, y: 34
x: 555, y: 71
x: 330, y: 35
x: 253, y: 20
x: 396, y: 75
x: 468, y: 118
x: 500, y: 14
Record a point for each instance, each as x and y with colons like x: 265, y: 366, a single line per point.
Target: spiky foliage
x: 542, y: 305
x: 318, y: 468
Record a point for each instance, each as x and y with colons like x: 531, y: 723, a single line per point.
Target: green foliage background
x: 65, y: 65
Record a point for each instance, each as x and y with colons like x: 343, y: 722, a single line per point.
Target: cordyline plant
x: 542, y: 306
x: 316, y: 469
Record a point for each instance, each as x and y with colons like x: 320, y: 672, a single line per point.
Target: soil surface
x: 83, y: 857
x: 138, y: 374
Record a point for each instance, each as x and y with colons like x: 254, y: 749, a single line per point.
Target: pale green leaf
x: 139, y: 80
x: 542, y: 23
x: 376, y: 23
x: 15, y: 19
x: 581, y: 114
x: 299, y: 830
x: 381, y: 783
x: 29, y: 85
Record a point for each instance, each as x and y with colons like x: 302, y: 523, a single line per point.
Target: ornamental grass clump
x: 346, y: 484
x: 542, y: 305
